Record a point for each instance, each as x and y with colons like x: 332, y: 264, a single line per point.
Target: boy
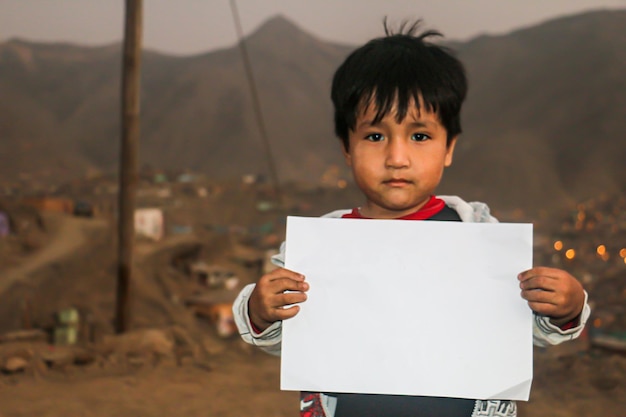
x: 397, y: 102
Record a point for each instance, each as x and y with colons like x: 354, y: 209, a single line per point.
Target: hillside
x: 545, y: 112
x: 543, y: 124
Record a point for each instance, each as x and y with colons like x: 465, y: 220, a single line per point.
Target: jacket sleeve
x: 546, y: 333
x: 269, y: 339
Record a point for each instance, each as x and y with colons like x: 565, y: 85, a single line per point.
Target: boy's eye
x: 375, y: 137
x: 419, y: 137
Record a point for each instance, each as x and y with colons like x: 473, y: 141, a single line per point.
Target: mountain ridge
x: 541, y: 124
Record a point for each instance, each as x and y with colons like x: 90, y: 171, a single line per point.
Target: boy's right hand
x: 269, y: 298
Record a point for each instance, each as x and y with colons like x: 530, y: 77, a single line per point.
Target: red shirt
x: 433, y: 206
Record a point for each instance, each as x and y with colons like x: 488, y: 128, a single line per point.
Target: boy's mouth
x: 396, y: 182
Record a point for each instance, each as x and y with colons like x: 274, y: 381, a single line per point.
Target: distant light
x: 581, y: 216
x: 622, y: 252
x: 558, y: 245
x: 597, y: 323
x: 570, y: 254
x: 601, y: 250
x: 342, y: 184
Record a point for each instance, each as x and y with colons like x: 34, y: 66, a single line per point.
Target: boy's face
x: 398, y: 166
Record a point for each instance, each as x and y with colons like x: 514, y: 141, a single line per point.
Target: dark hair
x: 395, y: 70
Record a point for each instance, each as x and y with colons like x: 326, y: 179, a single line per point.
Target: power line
x: 256, y: 102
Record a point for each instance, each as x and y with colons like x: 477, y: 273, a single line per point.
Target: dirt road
x: 70, y: 234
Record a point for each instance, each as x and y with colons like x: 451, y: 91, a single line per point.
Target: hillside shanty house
x: 149, y: 223
x: 53, y: 204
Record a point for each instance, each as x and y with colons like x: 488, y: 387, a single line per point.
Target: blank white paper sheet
x: 409, y: 308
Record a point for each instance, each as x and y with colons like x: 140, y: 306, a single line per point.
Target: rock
x: 14, y: 365
x: 145, y: 341
x: 220, y: 315
x: 58, y: 356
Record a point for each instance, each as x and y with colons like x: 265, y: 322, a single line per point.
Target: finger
x: 289, y: 298
x: 283, y: 300
x: 544, y: 309
x: 281, y: 285
x: 543, y: 283
x: 538, y: 271
x: 286, y: 313
x: 539, y: 296
x: 282, y: 273
x: 526, y: 275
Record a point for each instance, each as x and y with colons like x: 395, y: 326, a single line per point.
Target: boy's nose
x: 397, y: 155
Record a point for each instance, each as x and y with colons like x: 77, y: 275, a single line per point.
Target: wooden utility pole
x: 131, y: 65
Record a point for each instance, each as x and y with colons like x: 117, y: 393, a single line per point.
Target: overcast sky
x: 194, y: 26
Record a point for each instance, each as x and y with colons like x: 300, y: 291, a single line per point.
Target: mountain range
x: 544, y: 123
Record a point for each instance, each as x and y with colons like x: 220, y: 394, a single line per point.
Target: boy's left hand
x: 552, y: 292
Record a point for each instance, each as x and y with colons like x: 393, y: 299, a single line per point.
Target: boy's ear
x: 346, y: 155
x: 450, y: 152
